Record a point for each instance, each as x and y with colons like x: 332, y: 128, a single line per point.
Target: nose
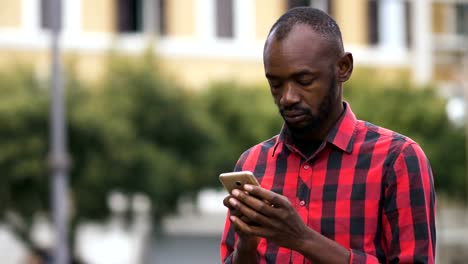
x: 290, y: 95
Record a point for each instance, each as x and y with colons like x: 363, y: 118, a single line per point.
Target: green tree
x: 23, y: 148
x: 417, y: 112
x: 243, y: 115
x: 153, y: 139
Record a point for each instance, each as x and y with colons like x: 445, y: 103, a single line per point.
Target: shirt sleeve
x: 229, y: 236
x: 408, y: 220
x: 228, y: 241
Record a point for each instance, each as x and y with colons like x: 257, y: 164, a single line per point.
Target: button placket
x: 301, y: 206
x: 305, y: 171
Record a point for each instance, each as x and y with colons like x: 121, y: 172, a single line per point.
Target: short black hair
x: 318, y: 20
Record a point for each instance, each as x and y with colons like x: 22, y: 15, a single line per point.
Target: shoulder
x: 394, y: 145
x: 251, y: 156
x: 369, y: 132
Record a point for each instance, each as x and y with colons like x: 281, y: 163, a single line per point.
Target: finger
x: 256, y: 204
x: 275, y: 199
x: 244, y: 219
x: 251, y: 214
x: 242, y: 227
x: 226, y: 202
x: 232, y: 209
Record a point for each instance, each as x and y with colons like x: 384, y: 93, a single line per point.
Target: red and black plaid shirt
x: 367, y: 188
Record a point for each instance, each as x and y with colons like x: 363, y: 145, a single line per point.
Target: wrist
x: 318, y: 248
x: 302, y: 244
x: 247, y: 244
x: 246, y: 251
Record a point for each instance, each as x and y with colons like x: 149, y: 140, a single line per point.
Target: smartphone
x: 235, y: 180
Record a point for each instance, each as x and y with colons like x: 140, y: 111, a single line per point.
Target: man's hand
x: 246, y: 242
x: 277, y: 220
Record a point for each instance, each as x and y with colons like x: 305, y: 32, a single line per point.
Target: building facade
x: 204, y: 40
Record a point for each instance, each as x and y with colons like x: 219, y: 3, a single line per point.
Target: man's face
x: 301, y: 72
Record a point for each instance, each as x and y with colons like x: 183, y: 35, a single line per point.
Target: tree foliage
x: 23, y: 143
x: 242, y: 116
x: 417, y: 112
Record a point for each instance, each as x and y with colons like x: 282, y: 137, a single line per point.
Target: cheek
x: 314, y: 101
x: 276, y: 96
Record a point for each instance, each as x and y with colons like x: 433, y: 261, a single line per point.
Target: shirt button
x: 302, y: 203
x: 306, y: 167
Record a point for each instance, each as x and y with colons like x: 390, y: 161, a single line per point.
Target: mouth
x: 294, y: 117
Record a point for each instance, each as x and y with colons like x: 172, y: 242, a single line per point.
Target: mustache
x: 294, y: 108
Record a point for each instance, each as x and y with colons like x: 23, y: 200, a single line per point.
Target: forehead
x: 303, y: 48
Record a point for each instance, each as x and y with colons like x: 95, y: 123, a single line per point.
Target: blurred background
x: 163, y: 95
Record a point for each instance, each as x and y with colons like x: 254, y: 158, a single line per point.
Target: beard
x: 314, y: 121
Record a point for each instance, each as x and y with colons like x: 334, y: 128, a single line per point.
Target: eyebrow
x: 303, y: 72
x: 269, y: 76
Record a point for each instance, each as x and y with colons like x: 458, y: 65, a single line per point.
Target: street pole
x: 465, y: 93
x: 59, y: 163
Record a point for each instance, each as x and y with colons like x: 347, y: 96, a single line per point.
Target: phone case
x: 235, y: 180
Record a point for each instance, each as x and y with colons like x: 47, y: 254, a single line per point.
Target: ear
x: 345, y: 67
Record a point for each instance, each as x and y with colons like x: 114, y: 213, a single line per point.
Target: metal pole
x: 58, y: 152
x: 465, y: 93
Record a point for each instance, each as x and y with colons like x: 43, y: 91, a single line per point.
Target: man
x: 334, y: 189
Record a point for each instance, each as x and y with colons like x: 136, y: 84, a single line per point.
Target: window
x: 297, y: 3
x: 408, y: 23
x: 224, y: 18
x: 462, y: 19
x: 373, y: 22
x: 153, y: 17
x: 162, y: 18
x: 46, y: 14
x: 325, y: 5
x: 330, y: 7
x: 129, y: 16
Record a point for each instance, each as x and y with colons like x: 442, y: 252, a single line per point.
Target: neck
x: 321, y: 134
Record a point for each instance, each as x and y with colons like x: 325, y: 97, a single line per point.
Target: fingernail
x: 233, y: 201
x: 233, y: 218
x: 248, y: 187
x: 235, y: 192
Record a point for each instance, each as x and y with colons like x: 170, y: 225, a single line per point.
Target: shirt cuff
x: 359, y: 257
x: 351, y: 256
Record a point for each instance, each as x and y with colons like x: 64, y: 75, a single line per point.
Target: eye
x: 274, y: 84
x: 305, y: 81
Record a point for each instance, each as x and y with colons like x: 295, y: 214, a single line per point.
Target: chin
x: 303, y: 129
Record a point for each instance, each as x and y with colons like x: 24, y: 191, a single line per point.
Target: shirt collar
x: 341, y: 135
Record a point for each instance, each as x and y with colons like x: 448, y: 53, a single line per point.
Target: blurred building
x: 203, y: 40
